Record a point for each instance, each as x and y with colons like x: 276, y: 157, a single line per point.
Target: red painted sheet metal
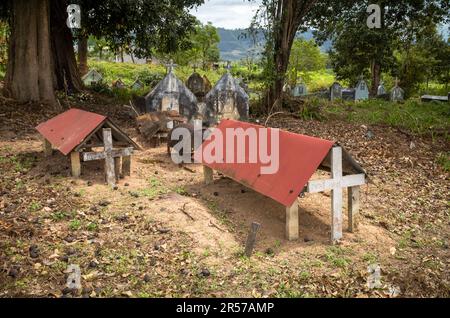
x: 69, y: 129
x: 299, y: 158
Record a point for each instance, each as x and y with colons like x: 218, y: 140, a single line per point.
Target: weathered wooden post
x: 208, y: 175
x: 251, y: 239
x: 75, y: 163
x: 48, y: 151
x: 126, y: 165
x: 353, y: 208
x: 292, y: 232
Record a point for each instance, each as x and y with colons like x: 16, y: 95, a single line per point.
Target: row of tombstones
x: 360, y: 92
x: 94, y: 77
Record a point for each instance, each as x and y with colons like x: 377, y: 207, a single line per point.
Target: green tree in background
x: 305, y: 57
x: 426, y: 58
x: 41, y: 55
x: 360, y: 50
x: 202, y: 45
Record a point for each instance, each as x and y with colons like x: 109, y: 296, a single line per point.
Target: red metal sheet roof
x: 69, y: 129
x: 299, y: 158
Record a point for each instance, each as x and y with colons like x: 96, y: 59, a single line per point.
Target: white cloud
x: 230, y: 14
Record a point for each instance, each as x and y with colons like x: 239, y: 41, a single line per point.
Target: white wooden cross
x: 336, y: 184
x: 111, y: 157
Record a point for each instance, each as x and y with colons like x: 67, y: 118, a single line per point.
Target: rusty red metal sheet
x: 299, y: 158
x: 69, y: 129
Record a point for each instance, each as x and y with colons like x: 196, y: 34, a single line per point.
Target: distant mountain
x: 236, y: 44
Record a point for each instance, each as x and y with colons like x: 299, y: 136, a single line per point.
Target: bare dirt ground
x: 163, y: 233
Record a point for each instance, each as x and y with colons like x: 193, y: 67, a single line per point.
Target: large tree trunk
x: 83, y: 55
x: 65, y: 64
x: 40, y: 55
x: 29, y: 75
x: 289, y: 16
x: 376, y: 78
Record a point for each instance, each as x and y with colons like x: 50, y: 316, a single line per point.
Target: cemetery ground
x: 163, y: 233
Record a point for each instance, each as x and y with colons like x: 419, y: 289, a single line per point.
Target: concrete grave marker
x: 381, y: 89
x: 137, y: 84
x: 397, y: 94
x: 92, y: 77
x: 361, y: 90
x: 335, y: 91
x: 226, y: 100
x: 172, y: 95
x: 300, y: 90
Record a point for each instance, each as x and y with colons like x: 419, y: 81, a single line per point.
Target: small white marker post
x: 338, y: 181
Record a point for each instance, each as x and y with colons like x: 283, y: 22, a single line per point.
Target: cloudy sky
x: 230, y: 14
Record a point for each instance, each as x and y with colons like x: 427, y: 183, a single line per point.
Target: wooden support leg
x: 208, y: 175
x: 292, y: 222
x: 76, y: 164
x: 117, y: 167
x: 47, y: 148
x: 353, y: 208
x: 126, y: 166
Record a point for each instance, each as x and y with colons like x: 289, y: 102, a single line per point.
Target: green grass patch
x: 75, y: 225
x: 444, y: 161
x: 412, y: 115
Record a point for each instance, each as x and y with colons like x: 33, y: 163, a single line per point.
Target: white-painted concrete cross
x: 336, y: 184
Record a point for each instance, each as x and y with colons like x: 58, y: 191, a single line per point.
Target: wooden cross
x: 111, y: 157
x: 336, y: 184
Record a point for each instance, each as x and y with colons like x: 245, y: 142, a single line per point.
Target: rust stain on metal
x: 299, y: 158
x: 69, y: 129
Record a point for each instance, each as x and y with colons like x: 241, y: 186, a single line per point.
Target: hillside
x: 235, y: 44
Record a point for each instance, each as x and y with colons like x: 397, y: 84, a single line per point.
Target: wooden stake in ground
x: 208, y: 175
x: 48, y: 151
x: 251, y: 239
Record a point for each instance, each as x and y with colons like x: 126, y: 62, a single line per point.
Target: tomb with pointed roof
x: 171, y: 95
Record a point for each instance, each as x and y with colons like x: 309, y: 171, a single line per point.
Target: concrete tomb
x: 172, y: 95
x: 226, y: 100
x: 361, y: 90
x: 92, y: 77
x: 335, y: 91
x: 397, y: 93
